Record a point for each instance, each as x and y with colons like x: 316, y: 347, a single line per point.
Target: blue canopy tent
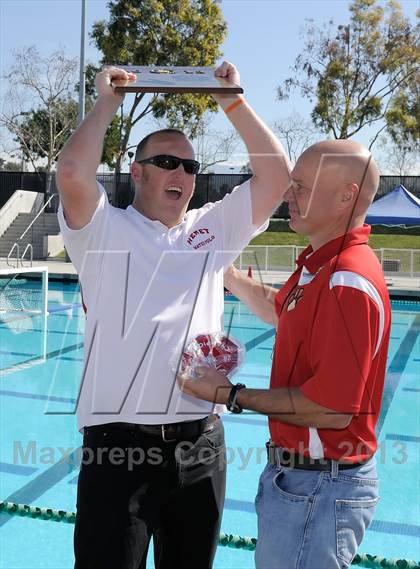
x: 399, y: 207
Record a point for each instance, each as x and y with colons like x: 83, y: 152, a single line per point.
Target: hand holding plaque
x: 168, y: 79
x: 110, y: 77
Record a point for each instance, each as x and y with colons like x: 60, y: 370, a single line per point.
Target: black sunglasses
x: 168, y: 162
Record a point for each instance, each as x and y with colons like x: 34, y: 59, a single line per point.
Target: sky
x: 263, y: 41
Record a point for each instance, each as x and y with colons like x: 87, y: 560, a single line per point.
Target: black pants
x: 134, y: 486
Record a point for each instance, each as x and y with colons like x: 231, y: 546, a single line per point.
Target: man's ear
x: 350, y: 194
x: 136, y: 172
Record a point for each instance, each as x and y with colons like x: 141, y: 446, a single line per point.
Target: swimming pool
x: 38, y: 432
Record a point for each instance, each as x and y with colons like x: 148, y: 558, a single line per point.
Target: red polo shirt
x: 332, y: 342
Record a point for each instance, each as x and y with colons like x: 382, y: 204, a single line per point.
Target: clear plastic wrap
x: 214, y: 350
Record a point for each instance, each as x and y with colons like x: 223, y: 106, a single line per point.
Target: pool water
x: 38, y: 426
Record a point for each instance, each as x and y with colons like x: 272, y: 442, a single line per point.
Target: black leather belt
x: 282, y: 457
x: 169, y: 432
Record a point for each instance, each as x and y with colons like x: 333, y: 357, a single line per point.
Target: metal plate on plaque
x: 167, y: 79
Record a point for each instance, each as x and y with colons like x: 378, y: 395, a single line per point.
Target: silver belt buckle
x: 162, y: 427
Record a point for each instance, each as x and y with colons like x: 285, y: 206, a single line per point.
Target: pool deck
x: 397, y: 285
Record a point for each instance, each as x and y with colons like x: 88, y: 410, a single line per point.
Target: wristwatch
x: 232, y: 405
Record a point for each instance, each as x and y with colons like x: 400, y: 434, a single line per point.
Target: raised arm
x: 257, y: 296
x: 81, y: 156
x: 269, y: 163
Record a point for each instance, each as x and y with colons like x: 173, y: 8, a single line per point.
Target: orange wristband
x: 233, y: 105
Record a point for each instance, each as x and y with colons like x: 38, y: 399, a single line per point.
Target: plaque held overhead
x: 169, y: 79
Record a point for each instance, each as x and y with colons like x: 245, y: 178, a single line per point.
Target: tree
x: 9, y: 166
x: 161, y: 32
x: 43, y: 133
x: 39, y: 110
x: 354, y: 73
x: 246, y: 169
x: 403, y: 116
x: 398, y: 159
x: 296, y: 134
x: 213, y: 147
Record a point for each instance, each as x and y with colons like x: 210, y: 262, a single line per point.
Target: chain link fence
x: 281, y: 258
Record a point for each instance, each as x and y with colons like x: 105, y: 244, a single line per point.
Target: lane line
x: 42, y: 483
x: 396, y: 369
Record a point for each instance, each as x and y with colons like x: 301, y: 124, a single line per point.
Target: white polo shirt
x: 148, y: 290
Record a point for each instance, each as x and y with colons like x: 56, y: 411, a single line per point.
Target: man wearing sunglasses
x: 152, y: 278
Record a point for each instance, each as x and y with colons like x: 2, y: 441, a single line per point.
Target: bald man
x: 319, y: 490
